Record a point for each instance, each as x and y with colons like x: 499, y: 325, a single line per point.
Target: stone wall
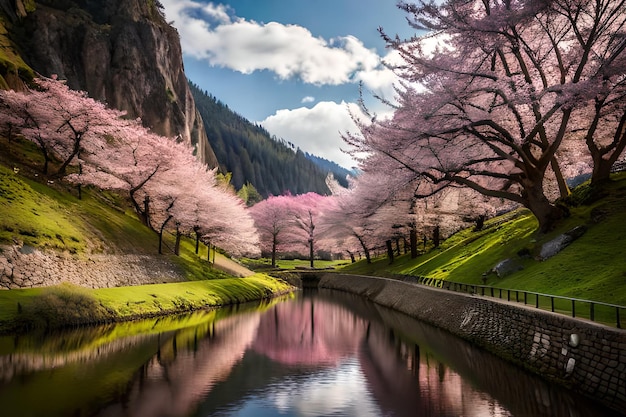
x: 25, y: 267
x: 586, y: 357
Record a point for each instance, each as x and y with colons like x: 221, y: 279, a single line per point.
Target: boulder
x: 506, y: 267
x: 560, y: 242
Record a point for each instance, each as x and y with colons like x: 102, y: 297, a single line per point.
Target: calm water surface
x: 315, y: 354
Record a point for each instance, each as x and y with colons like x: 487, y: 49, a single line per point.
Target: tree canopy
x: 492, y: 94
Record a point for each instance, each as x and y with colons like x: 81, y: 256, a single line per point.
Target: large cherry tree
x: 491, y: 105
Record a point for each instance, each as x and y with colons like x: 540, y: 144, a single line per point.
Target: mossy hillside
x: 37, y: 218
x: 11, y: 63
x: 66, y: 304
x: 48, y: 216
x: 592, y: 267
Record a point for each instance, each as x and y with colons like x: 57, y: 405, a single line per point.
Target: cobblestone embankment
x: 26, y: 267
x: 584, y: 356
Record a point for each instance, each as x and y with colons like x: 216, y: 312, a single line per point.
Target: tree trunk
x: 560, y: 180
x: 365, y: 249
x: 602, y: 165
x: 311, y: 251
x: 177, y: 244
x: 601, y: 170
x: 436, y: 237
x: 146, y: 210
x: 413, y: 240
x: 274, y: 252
x: 480, y: 223
x: 545, y: 212
x: 389, y: 251
x: 161, y: 234
x: 352, y: 260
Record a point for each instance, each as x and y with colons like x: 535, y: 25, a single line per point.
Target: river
x: 315, y: 353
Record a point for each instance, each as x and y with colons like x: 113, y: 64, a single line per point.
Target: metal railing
x: 605, y: 313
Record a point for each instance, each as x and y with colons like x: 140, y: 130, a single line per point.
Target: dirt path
x: 231, y: 267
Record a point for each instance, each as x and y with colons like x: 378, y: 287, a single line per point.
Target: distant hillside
x: 340, y: 173
x: 252, y: 155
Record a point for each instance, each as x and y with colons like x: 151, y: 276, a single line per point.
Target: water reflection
x: 316, y: 354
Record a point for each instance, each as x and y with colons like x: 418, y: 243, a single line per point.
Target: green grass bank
x: 69, y: 305
x: 46, y: 215
x: 593, y: 267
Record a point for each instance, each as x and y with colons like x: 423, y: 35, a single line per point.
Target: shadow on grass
x: 64, y: 305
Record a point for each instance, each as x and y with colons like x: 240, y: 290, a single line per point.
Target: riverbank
x: 585, y: 357
x: 69, y: 305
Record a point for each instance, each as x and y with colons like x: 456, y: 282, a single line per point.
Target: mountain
x: 273, y: 166
x: 340, y: 173
x: 121, y: 52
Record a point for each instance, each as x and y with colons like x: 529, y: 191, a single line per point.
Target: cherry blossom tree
x: 308, y: 209
x: 274, y: 220
x: 290, y: 222
x: 598, y: 37
x: 62, y: 122
x: 228, y: 223
x: 490, y: 106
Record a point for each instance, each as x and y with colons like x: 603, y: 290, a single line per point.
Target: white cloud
x: 308, y: 99
x: 212, y: 32
x: 317, y: 130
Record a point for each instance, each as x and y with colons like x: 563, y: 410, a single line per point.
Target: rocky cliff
x: 122, y: 52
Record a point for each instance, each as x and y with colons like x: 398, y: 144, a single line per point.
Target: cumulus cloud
x: 212, y: 32
x: 308, y: 99
x: 317, y: 130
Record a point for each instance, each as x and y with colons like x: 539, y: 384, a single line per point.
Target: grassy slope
x: 50, y: 216
x: 592, y: 267
x: 60, y: 305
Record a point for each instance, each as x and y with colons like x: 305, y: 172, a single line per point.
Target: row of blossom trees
x: 84, y: 142
x: 497, y: 106
x: 291, y: 223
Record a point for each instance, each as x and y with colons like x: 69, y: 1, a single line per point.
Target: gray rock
x: 560, y: 242
x: 506, y: 267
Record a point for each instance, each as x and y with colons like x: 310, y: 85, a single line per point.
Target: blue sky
x: 292, y: 66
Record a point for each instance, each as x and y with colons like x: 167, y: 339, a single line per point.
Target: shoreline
x: 67, y: 305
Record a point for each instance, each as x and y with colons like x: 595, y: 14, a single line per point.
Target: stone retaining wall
x: 25, y: 267
x: 584, y: 356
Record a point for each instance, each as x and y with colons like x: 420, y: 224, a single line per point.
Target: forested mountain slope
x: 250, y: 153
